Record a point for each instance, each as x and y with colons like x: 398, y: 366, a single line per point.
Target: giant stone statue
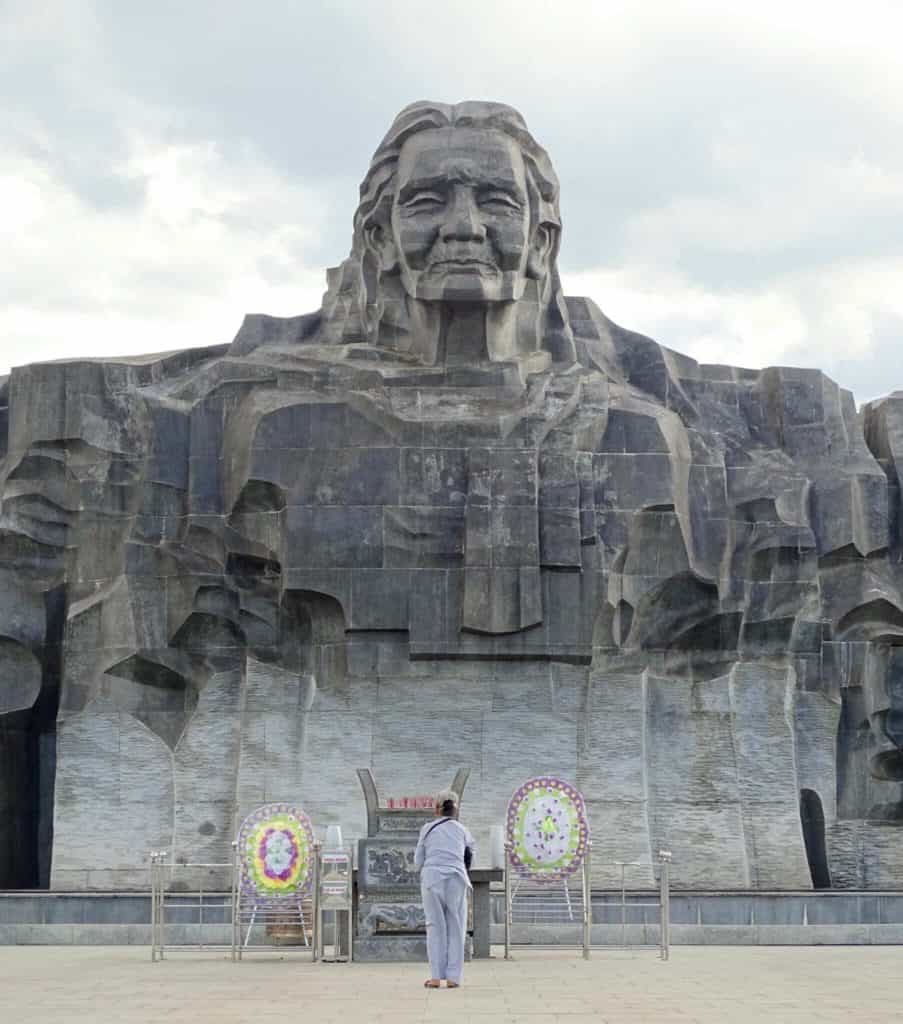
x: 452, y: 518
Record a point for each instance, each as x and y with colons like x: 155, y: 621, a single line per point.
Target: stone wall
x: 710, y: 770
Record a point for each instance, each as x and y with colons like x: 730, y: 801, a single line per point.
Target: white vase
x: 497, y: 846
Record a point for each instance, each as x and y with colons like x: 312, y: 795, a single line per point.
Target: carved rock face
x: 461, y: 216
x: 487, y: 528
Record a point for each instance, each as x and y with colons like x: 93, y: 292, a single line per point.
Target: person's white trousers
x: 445, y: 907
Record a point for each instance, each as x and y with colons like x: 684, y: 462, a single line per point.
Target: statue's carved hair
x: 355, y: 305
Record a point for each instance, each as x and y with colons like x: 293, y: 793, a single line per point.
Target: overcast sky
x: 731, y: 173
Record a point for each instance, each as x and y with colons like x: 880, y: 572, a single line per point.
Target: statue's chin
x: 479, y: 284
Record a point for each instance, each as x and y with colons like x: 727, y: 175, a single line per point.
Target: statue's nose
x: 463, y: 223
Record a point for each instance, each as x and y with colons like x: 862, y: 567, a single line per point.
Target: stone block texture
x: 453, y: 518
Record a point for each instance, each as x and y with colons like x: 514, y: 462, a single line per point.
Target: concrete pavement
x: 777, y: 985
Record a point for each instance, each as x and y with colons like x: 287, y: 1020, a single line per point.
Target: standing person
x: 444, y: 852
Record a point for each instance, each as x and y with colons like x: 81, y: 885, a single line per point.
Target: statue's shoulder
x: 259, y: 330
x: 111, y: 373
x: 800, y: 410
x: 105, y: 402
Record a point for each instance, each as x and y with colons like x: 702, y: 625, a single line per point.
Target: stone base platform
x: 849, y: 917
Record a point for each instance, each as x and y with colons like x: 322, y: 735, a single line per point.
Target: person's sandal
x: 431, y: 983
x: 452, y: 984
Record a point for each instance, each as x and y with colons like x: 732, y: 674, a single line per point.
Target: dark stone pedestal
x: 390, y: 921
x: 392, y: 948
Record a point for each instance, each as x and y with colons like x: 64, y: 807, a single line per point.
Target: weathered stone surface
x: 453, y: 518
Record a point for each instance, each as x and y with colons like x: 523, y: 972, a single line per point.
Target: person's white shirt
x: 440, y: 850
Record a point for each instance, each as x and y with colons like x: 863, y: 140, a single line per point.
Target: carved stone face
x: 461, y: 228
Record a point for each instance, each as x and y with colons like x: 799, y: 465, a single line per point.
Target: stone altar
x: 390, y: 919
x: 454, y: 516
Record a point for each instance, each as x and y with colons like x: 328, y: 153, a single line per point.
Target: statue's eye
x: 424, y: 201
x: 499, y: 201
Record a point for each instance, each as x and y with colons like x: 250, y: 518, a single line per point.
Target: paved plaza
x: 714, y: 984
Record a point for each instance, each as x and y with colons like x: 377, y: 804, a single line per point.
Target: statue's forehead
x: 461, y: 153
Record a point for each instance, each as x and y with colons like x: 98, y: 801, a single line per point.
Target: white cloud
x: 209, y: 240
x: 713, y: 327
x: 824, y: 320
x: 732, y: 173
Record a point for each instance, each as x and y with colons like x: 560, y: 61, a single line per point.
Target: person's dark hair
x: 447, y: 803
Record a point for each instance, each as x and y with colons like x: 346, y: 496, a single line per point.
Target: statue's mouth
x: 463, y: 266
